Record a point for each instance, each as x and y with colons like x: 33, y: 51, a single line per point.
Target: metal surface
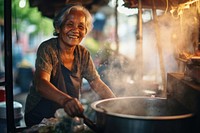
x: 193, y: 71
x: 17, y: 110
x: 142, y: 115
x: 8, y: 67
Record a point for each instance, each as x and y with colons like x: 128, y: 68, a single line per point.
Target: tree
x: 23, y: 17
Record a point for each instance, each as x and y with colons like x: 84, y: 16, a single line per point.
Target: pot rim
x: 173, y: 117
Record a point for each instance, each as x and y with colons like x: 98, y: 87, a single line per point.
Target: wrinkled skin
x: 71, y: 33
x: 73, y: 30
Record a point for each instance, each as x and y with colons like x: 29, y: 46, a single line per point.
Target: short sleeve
x: 44, y: 59
x: 89, y: 72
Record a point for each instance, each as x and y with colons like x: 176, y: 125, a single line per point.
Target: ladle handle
x: 90, y: 124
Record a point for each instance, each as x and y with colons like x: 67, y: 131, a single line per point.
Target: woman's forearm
x: 50, y: 92
x: 101, y: 89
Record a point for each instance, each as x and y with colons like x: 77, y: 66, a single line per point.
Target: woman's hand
x: 73, y: 107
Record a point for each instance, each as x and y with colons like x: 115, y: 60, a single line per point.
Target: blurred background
x: 113, y: 44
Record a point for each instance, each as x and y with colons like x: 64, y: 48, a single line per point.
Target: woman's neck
x: 67, y: 49
x: 67, y: 56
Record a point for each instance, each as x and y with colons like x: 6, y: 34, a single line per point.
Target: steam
x: 175, y: 34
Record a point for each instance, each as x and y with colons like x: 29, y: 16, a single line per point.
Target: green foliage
x: 1, y: 9
x: 27, y: 16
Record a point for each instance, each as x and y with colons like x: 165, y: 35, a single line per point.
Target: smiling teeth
x: 74, y: 37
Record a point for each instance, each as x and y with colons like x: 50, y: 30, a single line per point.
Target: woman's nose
x: 75, y: 28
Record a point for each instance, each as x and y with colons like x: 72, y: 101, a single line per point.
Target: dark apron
x: 46, y: 108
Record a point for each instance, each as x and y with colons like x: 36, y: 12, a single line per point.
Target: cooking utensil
x: 90, y: 124
x: 142, y: 115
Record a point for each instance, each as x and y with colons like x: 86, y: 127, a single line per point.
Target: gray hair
x: 60, y: 17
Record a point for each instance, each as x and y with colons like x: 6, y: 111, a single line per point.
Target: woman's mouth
x: 73, y: 37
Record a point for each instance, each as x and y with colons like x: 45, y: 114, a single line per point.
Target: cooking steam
x: 177, y: 35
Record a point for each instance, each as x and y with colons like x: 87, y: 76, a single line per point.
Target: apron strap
x: 59, y: 83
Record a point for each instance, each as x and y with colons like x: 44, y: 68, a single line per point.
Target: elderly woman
x: 61, y: 64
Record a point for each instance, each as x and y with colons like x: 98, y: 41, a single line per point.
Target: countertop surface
x: 186, y: 80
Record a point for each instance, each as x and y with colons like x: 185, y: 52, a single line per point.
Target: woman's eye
x: 81, y: 27
x: 69, y: 25
x: 72, y: 25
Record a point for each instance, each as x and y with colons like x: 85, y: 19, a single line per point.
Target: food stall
x: 181, y: 87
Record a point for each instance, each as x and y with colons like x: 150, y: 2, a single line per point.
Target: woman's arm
x: 71, y: 105
x: 48, y: 90
x: 101, y: 89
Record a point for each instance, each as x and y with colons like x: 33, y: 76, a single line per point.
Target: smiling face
x: 73, y: 30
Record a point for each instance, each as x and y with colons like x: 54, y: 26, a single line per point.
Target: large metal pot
x: 142, y: 115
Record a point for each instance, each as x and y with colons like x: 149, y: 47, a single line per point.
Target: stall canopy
x: 48, y: 8
x: 159, y: 4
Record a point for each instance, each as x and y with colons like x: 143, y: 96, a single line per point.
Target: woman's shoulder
x: 50, y: 44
